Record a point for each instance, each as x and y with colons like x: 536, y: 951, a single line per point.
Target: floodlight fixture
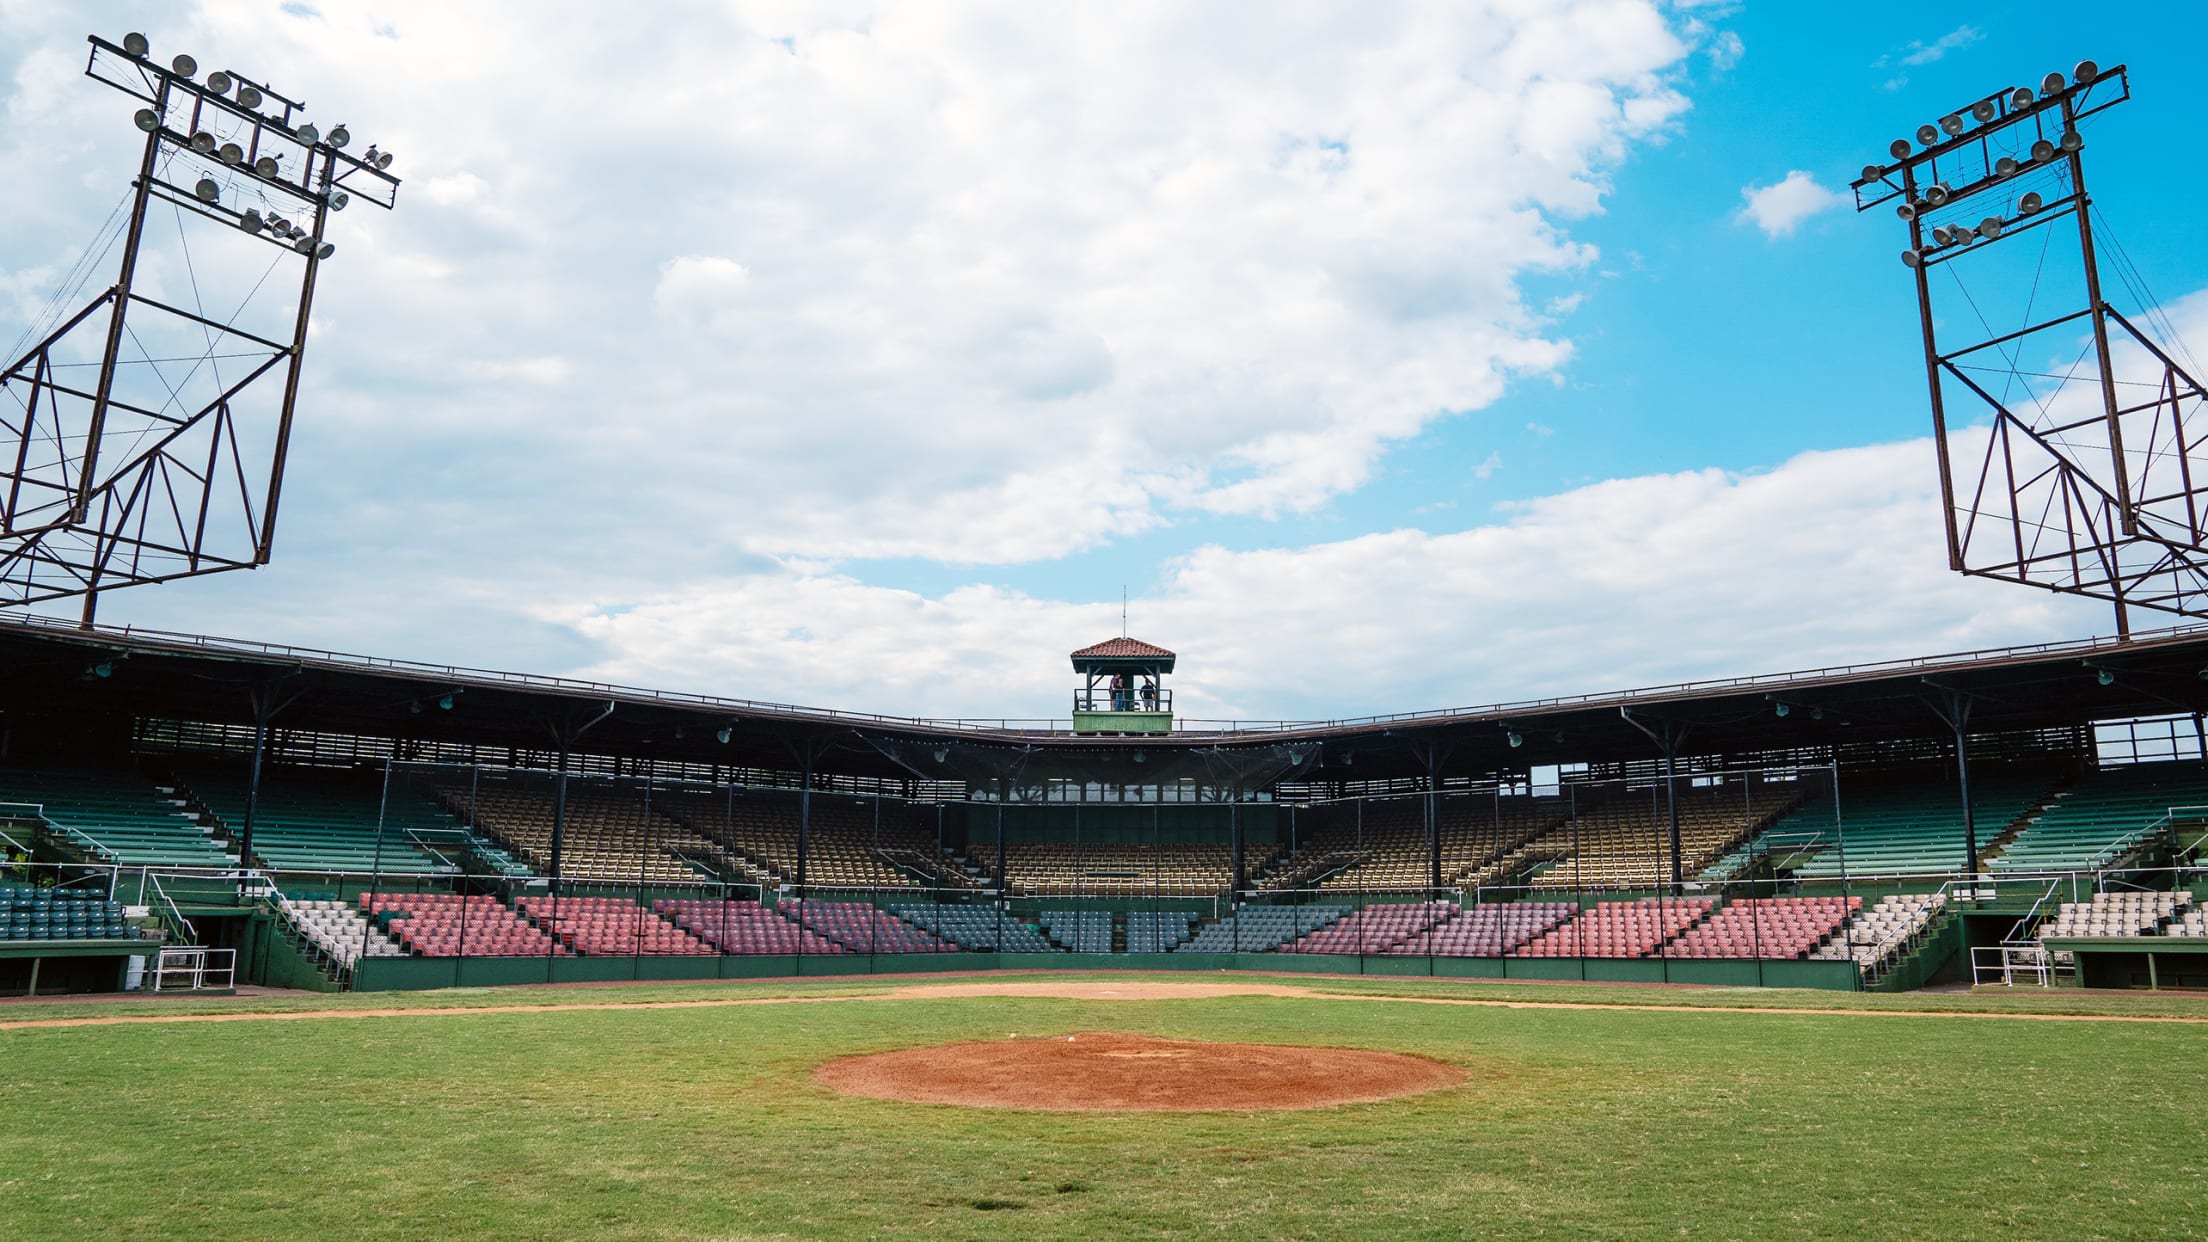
x: 1928, y: 135
x: 207, y: 190
x: 184, y: 65
x: 251, y: 222
x: 383, y: 161
x: 340, y: 136
x: 249, y: 96
x: 444, y: 702
x: 1898, y: 148
x: 1907, y: 211
x: 219, y: 82
x: 1951, y: 124
x: 2072, y: 142
x: 2006, y: 166
x: 304, y: 245
x: 2022, y: 98
x: 2042, y: 151
x: 2052, y: 84
x: 1990, y: 227
x: 1516, y: 739
x: 1984, y: 111
x: 1936, y: 195
x: 203, y: 142
x: 308, y: 134
x: 267, y: 166
x: 1912, y: 258
x: 325, y: 250
x: 232, y: 153
x: 2030, y: 203
x: 135, y: 44
x: 339, y: 199
x: 2085, y: 73
x: 146, y: 119
x: 1870, y: 172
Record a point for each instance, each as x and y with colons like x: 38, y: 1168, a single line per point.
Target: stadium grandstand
x: 532, y: 829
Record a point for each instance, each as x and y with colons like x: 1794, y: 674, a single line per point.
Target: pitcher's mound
x: 1112, y: 1073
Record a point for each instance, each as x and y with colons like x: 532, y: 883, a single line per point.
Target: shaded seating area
x: 1489, y: 930
x: 611, y: 927
x: 862, y: 928
x: 1623, y: 840
x: 119, y: 812
x: 1078, y: 931
x: 450, y: 925
x: 608, y: 834
x: 1374, y: 929
x: 851, y: 842
x: 338, y: 931
x: 2106, y: 814
x: 1912, y: 825
x: 1122, y: 869
x: 975, y: 927
x: 1619, y: 928
x: 1780, y: 928
x: 1157, y: 931
x: 1261, y: 929
x: 309, y: 822
x: 743, y: 928
x: 1385, y: 849
x: 29, y: 913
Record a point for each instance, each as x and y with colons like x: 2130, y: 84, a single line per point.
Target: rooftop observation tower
x: 1123, y: 688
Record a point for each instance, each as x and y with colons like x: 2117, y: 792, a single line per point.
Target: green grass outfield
x: 704, y: 1122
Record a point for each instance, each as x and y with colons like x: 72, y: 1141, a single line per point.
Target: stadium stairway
x: 2106, y: 815
x: 115, y: 815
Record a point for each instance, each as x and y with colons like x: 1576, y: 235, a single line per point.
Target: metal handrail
x: 174, y: 912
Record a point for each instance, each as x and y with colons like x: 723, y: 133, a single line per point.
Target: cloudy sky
x: 862, y: 354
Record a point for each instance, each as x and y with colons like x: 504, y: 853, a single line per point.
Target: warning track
x: 1082, y: 990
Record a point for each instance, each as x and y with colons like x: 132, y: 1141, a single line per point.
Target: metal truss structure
x: 2089, y: 480
x: 169, y: 461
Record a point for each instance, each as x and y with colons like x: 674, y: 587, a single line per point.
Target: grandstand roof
x: 51, y: 684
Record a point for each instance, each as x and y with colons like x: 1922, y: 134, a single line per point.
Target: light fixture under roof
x: 1516, y: 739
x: 219, y: 82
x: 135, y: 44
x: 249, y: 96
x: 2086, y: 72
x: 145, y: 119
x: 207, y: 190
x: 184, y: 66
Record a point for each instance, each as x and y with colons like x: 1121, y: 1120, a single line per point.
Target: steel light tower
x: 2090, y: 479
x: 142, y: 438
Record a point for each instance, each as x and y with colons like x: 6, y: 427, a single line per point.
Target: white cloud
x: 1831, y: 557
x: 1779, y: 208
x: 1918, y: 53
x: 978, y: 284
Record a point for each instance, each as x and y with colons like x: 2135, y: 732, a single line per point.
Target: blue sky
x: 861, y: 354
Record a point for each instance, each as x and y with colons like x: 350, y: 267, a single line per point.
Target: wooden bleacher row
x: 1121, y: 869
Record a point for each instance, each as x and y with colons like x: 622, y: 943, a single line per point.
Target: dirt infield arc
x: 1139, y: 989
x: 1099, y: 1071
